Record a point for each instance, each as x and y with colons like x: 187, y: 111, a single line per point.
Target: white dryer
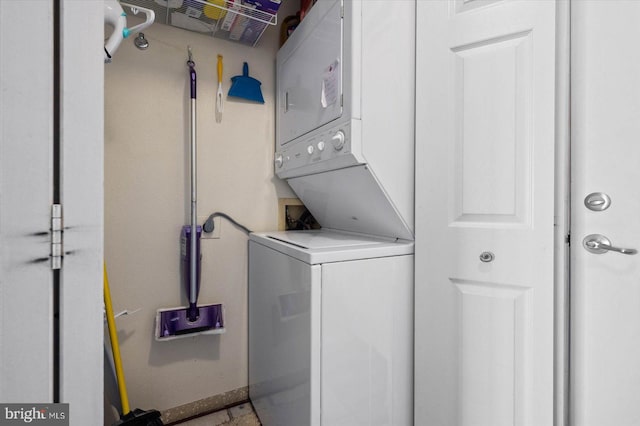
x: 330, y: 329
x: 345, y: 115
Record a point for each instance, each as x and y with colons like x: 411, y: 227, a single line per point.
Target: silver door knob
x: 598, y: 244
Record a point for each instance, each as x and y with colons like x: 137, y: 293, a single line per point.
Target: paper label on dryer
x: 330, y: 81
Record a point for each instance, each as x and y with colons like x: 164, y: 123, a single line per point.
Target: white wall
x: 146, y: 204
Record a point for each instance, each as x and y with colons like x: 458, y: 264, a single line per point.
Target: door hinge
x: 56, y: 236
x: 567, y: 240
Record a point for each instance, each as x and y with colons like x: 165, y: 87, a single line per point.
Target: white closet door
x: 605, y: 290
x: 82, y: 178
x: 28, y: 364
x: 485, y: 213
x: 26, y: 158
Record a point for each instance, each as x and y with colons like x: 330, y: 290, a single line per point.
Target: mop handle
x: 115, y: 347
x: 193, y: 283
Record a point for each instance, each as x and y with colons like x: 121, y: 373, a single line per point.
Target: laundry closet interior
x: 336, y: 212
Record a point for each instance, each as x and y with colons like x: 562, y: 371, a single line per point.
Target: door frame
x: 562, y: 221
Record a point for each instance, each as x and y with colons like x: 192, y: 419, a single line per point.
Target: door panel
x: 485, y: 191
x: 26, y: 143
x: 605, y: 292
x: 493, y: 332
x: 491, y: 163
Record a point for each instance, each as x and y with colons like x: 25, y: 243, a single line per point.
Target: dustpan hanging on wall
x: 245, y: 87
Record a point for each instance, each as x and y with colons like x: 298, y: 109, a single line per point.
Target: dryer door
x: 309, y: 73
x: 352, y: 199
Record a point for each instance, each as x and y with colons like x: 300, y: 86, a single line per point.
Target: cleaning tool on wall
x: 219, y: 93
x: 206, y: 319
x: 115, y: 17
x: 136, y: 417
x: 245, y: 87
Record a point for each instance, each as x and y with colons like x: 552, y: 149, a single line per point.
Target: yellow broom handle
x: 113, y: 336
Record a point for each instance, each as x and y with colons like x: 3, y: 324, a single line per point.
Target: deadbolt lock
x: 597, y: 201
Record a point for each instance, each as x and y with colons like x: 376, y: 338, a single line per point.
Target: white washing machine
x: 330, y: 329
x: 331, y: 311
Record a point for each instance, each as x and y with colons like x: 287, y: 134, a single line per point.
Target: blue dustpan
x: 245, y: 87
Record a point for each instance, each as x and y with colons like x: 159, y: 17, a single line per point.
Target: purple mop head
x: 185, y: 321
x: 174, y: 323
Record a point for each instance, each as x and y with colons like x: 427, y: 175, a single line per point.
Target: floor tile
x: 240, y: 410
x: 214, y: 419
x: 246, y: 420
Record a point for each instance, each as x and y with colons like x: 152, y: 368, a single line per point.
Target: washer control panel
x: 309, y: 154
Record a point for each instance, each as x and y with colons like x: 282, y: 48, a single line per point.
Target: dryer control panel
x: 328, y: 149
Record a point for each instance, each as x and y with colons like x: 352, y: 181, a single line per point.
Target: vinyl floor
x: 239, y: 415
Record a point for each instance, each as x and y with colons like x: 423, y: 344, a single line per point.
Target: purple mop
x: 206, y: 319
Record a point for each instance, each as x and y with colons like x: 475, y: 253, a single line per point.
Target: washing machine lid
x: 324, y: 246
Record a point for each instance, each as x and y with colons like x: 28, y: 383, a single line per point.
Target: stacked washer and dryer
x: 331, y: 311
